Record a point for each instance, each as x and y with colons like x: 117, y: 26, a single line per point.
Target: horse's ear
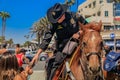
x: 100, y: 25
x: 80, y: 25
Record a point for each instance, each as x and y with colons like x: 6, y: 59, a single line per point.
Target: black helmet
x: 55, y: 12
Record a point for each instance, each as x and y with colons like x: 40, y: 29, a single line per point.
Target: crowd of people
x: 11, y: 64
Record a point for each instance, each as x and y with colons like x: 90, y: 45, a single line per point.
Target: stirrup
x: 69, y: 71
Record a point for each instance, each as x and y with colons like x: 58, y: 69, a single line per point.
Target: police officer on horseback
x: 65, y: 25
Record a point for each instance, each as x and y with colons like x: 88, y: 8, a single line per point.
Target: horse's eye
x: 84, y: 44
x: 101, y: 44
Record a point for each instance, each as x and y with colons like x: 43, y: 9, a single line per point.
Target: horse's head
x: 91, y: 45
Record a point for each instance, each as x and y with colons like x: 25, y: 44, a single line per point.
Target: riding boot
x: 52, y: 74
x: 48, y: 74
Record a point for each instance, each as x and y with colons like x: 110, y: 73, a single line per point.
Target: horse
x: 85, y: 63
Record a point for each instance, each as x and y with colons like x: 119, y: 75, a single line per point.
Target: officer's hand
x: 77, y: 35
x: 35, y: 59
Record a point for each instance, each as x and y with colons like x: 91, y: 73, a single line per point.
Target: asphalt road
x: 38, y: 71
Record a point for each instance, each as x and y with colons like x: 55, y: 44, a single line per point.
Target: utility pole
x: 114, y: 10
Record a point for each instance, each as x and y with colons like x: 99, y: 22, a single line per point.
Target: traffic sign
x: 112, y: 35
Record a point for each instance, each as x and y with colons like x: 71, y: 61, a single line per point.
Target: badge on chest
x: 72, y: 21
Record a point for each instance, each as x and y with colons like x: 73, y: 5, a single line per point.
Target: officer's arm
x: 47, y: 38
x: 43, y: 46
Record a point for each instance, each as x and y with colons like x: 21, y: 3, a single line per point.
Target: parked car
x: 43, y: 56
x: 12, y: 50
x: 29, y: 56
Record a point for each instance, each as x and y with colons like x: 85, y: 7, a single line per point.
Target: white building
x: 107, y: 11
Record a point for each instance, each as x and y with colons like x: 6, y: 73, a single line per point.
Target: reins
x: 84, y: 61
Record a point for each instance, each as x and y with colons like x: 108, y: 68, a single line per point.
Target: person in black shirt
x: 65, y: 25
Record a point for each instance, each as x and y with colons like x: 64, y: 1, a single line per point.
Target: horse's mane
x: 93, y: 25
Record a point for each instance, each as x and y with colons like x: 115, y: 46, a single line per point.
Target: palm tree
x: 4, y: 16
x: 26, y: 36
x: 40, y: 27
x: 118, y: 1
x: 27, y: 44
x: 70, y: 2
x: 10, y: 42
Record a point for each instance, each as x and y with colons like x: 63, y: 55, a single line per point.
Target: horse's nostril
x: 94, y: 70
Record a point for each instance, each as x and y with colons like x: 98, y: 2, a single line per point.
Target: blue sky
x: 23, y: 14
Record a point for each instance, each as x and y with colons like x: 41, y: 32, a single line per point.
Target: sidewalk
x: 38, y: 71
x: 38, y: 75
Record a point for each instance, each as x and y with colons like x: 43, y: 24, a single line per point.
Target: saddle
x: 70, y: 46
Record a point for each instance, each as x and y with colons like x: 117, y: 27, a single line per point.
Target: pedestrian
x: 107, y: 49
x: 9, y: 68
x: 3, y: 49
x: 65, y: 25
x: 118, y: 49
x: 21, y: 57
x: 17, y: 48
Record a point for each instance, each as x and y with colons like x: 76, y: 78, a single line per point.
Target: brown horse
x: 85, y: 63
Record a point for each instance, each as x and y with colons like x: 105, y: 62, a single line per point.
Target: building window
x: 94, y: 4
x: 107, y: 27
x: 117, y: 13
x: 101, y: 1
x: 89, y: 5
x: 109, y: 1
x: 117, y: 27
x: 99, y: 13
x: 117, y: 9
x: 94, y: 14
x: 106, y: 13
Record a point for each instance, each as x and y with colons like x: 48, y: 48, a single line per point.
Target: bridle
x: 90, y: 53
x: 85, y: 59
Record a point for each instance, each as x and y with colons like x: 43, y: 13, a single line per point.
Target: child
x: 17, y: 48
x: 21, y: 57
x: 9, y: 68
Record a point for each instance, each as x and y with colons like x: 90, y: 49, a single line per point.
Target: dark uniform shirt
x: 63, y: 31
